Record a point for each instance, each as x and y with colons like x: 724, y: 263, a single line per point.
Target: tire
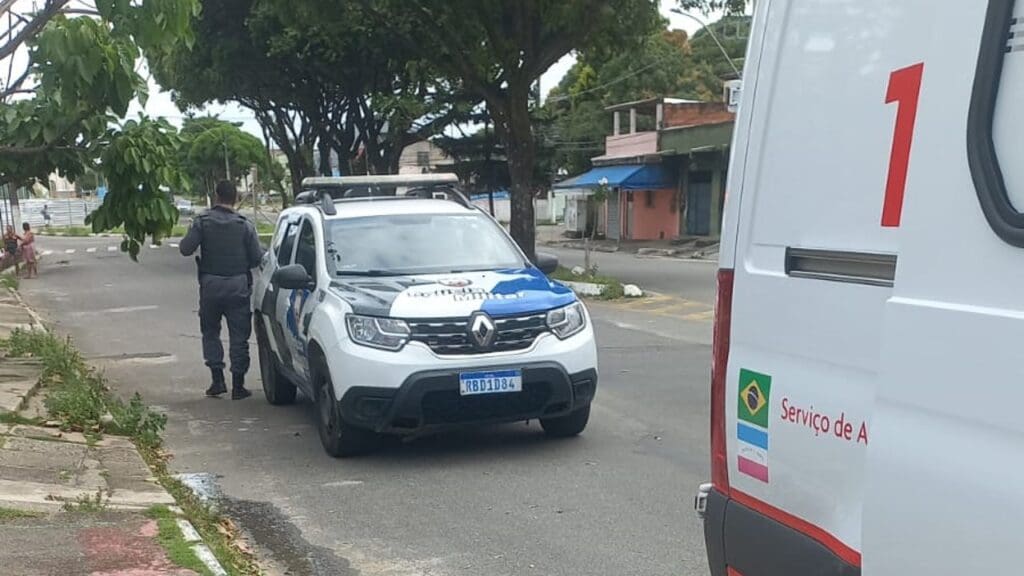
x: 338, y: 438
x: 278, y: 390
x: 569, y: 425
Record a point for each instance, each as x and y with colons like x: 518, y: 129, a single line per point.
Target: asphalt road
x: 497, y: 501
x: 693, y: 280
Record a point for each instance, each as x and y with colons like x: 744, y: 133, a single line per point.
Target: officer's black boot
x: 219, y: 386
x: 238, y: 391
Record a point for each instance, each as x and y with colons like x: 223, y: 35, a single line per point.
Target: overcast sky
x: 160, y: 104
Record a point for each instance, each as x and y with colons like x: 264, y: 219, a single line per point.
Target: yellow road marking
x: 670, y: 306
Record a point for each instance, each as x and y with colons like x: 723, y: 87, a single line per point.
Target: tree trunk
x: 325, y: 158
x: 296, y: 170
x: 15, y: 209
x: 518, y: 137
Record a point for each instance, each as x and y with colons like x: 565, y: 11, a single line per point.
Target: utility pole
x: 254, y: 190
x: 227, y: 166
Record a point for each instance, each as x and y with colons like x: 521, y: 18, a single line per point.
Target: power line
x: 609, y: 83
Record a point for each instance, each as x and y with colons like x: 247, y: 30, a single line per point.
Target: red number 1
x: 905, y: 89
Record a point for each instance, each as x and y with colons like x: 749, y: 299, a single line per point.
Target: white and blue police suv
x: 401, y: 308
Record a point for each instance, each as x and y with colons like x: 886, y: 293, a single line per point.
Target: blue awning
x: 631, y: 177
x: 498, y: 195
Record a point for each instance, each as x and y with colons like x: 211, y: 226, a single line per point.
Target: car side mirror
x: 292, y: 277
x: 547, y: 263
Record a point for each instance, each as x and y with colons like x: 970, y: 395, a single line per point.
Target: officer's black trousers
x: 227, y: 297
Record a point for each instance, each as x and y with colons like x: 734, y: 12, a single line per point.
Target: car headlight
x: 567, y: 321
x: 383, y: 333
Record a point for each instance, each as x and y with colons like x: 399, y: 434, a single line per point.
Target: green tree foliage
x: 208, y: 142
x: 272, y: 177
x: 497, y: 49
x: 666, y: 64
x: 141, y: 169
x: 232, y: 60
x: 708, y: 6
x: 325, y: 80
x: 62, y: 112
x: 733, y: 32
x: 392, y: 96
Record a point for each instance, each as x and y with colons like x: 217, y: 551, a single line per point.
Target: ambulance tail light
x: 719, y: 366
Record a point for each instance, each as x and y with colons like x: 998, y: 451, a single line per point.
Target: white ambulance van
x: 867, y: 410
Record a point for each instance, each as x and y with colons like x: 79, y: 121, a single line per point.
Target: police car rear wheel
x: 569, y: 425
x: 339, y: 439
x: 278, y: 390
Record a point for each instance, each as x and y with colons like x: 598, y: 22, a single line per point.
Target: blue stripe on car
x: 537, y: 294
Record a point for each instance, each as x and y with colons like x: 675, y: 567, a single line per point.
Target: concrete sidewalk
x: 69, y: 504
x: 101, y: 543
x: 686, y: 248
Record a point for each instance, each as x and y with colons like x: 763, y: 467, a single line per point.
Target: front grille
x: 449, y: 407
x: 450, y: 336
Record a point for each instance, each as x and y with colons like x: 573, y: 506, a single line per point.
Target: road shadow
x: 470, y: 443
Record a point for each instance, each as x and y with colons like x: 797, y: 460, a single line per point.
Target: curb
x: 80, y: 236
x: 199, y: 548
x: 632, y: 291
x: 188, y: 531
x: 669, y: 253
x: 39, y: 324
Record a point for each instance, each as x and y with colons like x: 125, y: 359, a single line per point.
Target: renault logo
x: 481, y: 330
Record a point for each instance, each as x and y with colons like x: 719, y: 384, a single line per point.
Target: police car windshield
x: 405, y: 244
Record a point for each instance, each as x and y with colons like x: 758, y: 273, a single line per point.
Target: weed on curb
x: 12, y: 514
x: 79, y: 399
x: 173, y: 541
x: 218, y: 533
x: 15, y: 418
x: 612, y: 288
x: 86, y: 504
x: 76, y: 394
x: 9, y: 281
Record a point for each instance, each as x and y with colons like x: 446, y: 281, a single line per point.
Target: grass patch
x: 76, y: 394
x: 12, y: 514
x: 13, y: 418
x: 76, y: 231
x: 77, y: 397
x: 9, y: 281
x: 612, y: 288
x: 216, y: 532
x: 264, y: 228
x: 173, y: 541
x: 87, y: 504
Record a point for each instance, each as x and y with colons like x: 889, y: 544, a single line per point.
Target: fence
x: 544, y: 210
x: 63, y: 212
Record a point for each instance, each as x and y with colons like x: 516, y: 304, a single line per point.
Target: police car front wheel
x: 277, y: 388
x: 571, y: 424
x: 339, y: 438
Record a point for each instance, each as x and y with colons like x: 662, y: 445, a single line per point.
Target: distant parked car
x: 184, y: 207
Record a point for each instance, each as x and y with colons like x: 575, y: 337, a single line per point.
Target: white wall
x: 63, y: 212
x: 543, y: 209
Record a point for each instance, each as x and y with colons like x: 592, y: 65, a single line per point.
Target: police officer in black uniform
x: 229, y: 249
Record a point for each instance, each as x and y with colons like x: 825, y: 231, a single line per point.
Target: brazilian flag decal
x: 755, y: 393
